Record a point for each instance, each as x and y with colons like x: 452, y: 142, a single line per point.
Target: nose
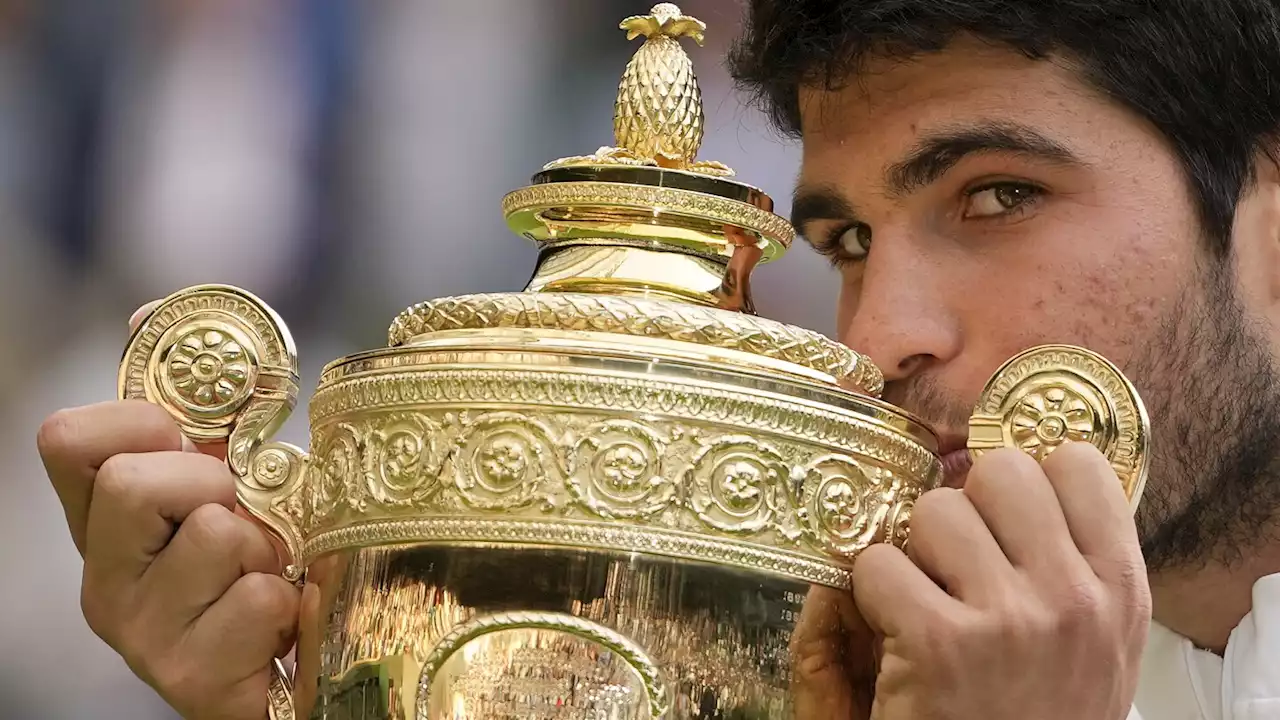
x: 899, y: 314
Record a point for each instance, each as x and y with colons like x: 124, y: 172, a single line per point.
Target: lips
x: 955, y: 467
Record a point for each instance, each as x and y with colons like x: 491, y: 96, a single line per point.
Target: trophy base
x: 428, y: 632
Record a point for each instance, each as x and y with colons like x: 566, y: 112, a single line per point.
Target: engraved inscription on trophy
x: 536, y: 674
x: 536, y: 665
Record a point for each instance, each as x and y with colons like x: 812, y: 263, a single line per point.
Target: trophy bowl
x: 610, y: 495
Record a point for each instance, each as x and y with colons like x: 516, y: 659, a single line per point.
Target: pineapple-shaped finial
x: 658, y: 113
x: 657, y: 118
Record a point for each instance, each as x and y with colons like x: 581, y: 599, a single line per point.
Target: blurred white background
x: 340, y: 159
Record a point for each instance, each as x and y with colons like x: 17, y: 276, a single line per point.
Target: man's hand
x: 1025, y: 596
x: 186, y: 589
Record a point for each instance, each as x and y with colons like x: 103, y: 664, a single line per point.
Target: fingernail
x: 141, y: 313
x: 188, y: 446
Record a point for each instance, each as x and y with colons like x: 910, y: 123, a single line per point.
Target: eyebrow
x: 937, y: 153
x: 819, y: 203
x: 931, y: 158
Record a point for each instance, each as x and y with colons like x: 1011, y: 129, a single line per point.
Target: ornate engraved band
x: 640, y: 317
x: 625, y: 396
x: 538, y: 198
x: 632, y: 464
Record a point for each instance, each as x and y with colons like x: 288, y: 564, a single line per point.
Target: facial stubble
x: 1211, y: 387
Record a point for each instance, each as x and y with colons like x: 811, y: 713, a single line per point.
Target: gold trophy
x: 609, y: 495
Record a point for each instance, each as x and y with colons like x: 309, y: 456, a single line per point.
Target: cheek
x: 850, y: 288
x: 1106, y: 296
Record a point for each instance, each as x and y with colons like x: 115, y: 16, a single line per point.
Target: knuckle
x: 139, y: 649
x: 177, y: 677
x: 98, y: 610
x: 1080, y: 607
x: 113, y: 619
x: 941, y: 631
x: 935, y: 507
x: 117, y: 478
x: 58, y: 433
x: 269, y: 598
x: 213, y: 528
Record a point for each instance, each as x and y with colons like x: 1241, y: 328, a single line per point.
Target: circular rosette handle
x: 1047, y: 396
x: 223, y: 365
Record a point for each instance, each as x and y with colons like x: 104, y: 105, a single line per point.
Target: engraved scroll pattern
x: 582, y: 467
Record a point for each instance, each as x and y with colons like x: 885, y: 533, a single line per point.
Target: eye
x: 844, y: 245
x: 999, y: 199
x: 853, y: 243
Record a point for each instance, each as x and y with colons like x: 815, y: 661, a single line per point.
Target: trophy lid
x: 651, y: 186
x: 644, y: 239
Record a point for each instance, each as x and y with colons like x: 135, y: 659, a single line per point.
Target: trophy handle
x: 222, y: 363
x: 1053, y: 394
x: 280, y: 694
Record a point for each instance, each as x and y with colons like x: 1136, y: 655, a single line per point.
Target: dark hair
x: 1205, y: 73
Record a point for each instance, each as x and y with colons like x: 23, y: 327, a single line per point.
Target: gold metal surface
x: 642, y: 318
x: 507, y: 631
x: 1050, y: 395
x: 612, y: 495
x: 645, y: 205
x: 657, y: 119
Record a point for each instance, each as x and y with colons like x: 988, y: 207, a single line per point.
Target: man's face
x: 979, y: 203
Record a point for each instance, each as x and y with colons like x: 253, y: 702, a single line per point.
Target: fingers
x: 181, y: 585
x: 138, y: 499
x: 951, y: 544
x: 1020, y: 507
x: 211, y: 551
x: 252, y: 623
x: 74, y: 444
x: 137, y: 502
x: 219, y: 667
x: 184, y: 588
x: 1097, y: 512
x: 893, y: 594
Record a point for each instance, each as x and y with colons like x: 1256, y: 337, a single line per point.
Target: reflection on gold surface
x: 714, y: 640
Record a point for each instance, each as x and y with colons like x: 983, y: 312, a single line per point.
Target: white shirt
x: 1182, y: 682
